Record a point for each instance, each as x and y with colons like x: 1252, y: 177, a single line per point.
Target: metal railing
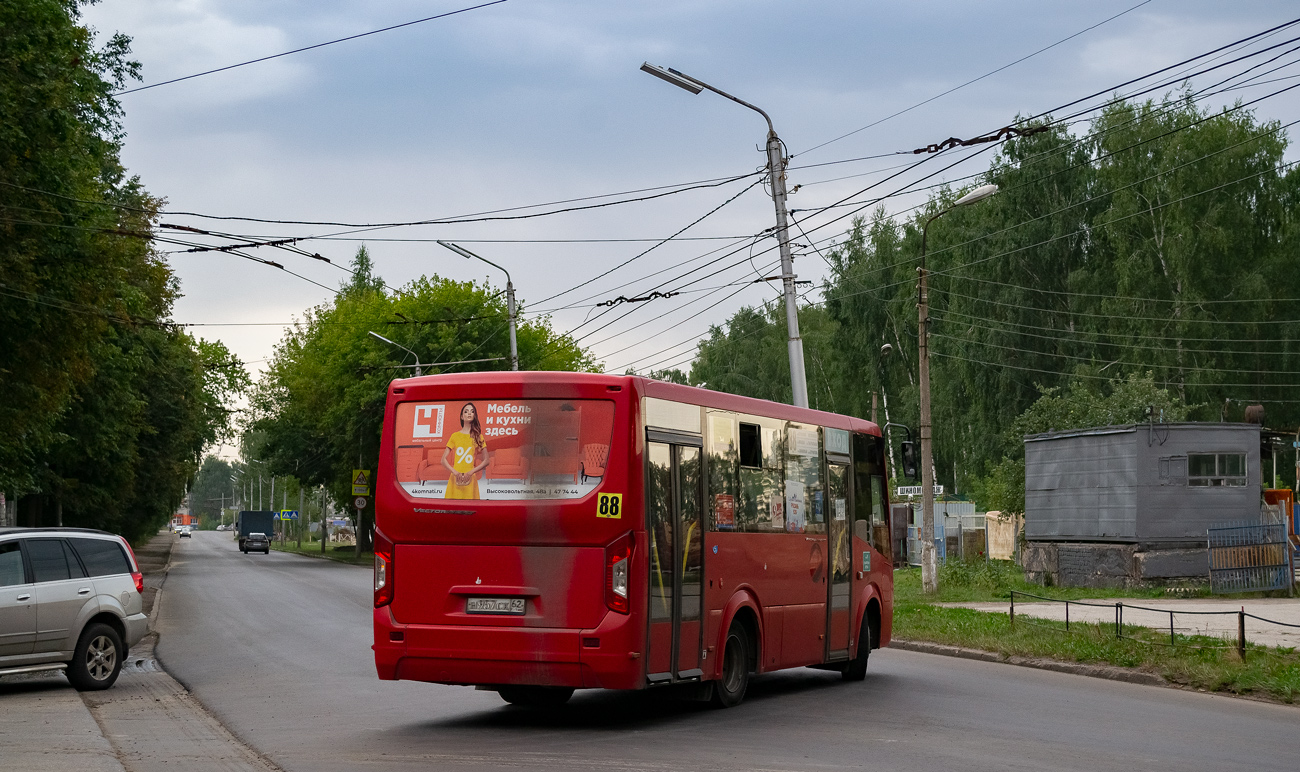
x: 1119, y: 607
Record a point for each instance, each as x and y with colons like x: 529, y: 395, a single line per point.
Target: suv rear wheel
x: 97, y: 660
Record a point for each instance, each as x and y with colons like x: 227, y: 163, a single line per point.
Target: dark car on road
x: 256, y: 542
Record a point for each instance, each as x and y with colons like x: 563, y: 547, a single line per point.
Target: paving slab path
x: 1279, y: 626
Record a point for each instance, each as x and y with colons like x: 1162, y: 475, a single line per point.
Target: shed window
x: 1208, y: 470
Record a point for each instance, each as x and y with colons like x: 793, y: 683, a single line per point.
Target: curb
x: 1108, y: 672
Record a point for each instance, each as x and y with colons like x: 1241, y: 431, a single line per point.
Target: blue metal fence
x: 1249, y: 557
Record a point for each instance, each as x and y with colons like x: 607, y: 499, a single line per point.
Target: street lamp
x: 929, y: 561
x: 776, y: 176
x: 418, y: 370
x: 510, y: 296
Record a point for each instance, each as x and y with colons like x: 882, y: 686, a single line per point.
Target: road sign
x: 359, y: 502
x: 360, y: 482
x: 287, y: 514
x: 915, y: 490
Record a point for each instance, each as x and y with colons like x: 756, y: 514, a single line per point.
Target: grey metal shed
x: 1140, y: 484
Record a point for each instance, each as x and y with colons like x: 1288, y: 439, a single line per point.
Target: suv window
x: 52, y: 560
x: 11, y: 565
x: 101, y: 556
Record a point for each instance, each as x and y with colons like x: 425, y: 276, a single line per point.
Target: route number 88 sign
x: 609, y: 505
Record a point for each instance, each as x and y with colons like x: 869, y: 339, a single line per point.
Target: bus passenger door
x: 840, y: 538
x: 674, y: 530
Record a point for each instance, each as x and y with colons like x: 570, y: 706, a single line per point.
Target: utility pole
x: 929, y: 557
x: 298, y: 522
x: 324, y: 523
x: 776, y: 178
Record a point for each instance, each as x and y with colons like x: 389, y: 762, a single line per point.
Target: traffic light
x: 910, y: 464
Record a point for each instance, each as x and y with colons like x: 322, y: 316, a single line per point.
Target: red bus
x: 540, y: 532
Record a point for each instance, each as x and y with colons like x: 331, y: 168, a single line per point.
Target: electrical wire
x: 976, y: 80
x: 308, y: 48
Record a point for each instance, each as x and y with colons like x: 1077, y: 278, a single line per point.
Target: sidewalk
x: 148, y: 722
x: 1185, y: 621
x: 47, y: 724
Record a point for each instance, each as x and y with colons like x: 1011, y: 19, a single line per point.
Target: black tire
x: 856, y: 669
x: 97, y: 659
x: 535, y: 696
x: 729, y: 690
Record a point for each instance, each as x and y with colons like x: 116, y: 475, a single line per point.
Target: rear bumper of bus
x: 605, y: 657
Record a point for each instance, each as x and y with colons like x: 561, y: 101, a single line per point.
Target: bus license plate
x: 494, y: 606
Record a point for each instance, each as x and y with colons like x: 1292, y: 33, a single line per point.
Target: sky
x: 535, y: 101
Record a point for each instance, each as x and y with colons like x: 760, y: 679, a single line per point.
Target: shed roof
x: 1125, y: 428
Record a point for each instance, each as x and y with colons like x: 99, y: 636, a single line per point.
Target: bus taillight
x: 383, y: 570
x: 618, y: 565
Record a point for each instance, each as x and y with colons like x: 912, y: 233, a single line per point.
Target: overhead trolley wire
x: 976, y: 80
x: 309, y: 48
x: 1073, y: 336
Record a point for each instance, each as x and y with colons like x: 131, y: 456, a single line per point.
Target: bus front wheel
x: 729, y: 690
x: 856, y: 669
x: 535, y: 696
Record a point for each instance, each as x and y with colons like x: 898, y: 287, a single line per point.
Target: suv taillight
x: 136, y: 576
x: 383, y: 570
x: 618, y: 568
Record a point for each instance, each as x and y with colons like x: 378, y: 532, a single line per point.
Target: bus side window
x: 723, y: 457
x: 805, y: 512
x: 762, y: 475
x: 869, y: 522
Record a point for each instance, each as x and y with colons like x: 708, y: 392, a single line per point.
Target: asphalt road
x: 277, y: 647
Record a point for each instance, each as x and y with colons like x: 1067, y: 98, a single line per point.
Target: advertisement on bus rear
x: 503, y: 449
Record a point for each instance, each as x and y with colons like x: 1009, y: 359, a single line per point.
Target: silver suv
x: 69, y: 600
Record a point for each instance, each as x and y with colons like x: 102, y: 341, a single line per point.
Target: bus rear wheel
x: 856, y: 669
x: 535, y: 696
x: 729, y: 690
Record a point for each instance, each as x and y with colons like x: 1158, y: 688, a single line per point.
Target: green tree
x: 105, y: 406
x: 749, y: 356
x: 1160, y: 240
x: 1081, y: 404
x: 318, y: 410
x: 63, y: 196
x: 213, y: 484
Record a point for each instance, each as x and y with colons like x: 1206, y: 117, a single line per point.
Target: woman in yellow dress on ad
x: 468, y: 447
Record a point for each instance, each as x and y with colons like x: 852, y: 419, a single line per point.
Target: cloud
x: 173, y: 39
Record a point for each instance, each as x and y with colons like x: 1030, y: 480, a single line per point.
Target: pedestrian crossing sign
x: 360, y: 482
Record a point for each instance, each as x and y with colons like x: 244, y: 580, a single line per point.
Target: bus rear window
x: 503, y: 449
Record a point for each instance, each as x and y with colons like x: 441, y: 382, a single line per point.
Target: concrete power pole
x: 929, y: 556
x: 776, y: 178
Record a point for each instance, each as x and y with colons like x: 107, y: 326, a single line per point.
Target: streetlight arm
x: 418, y: 366
x: 393, y: 343
x: 463, y: 252
x: 510, y: 297
x: 673, y: 77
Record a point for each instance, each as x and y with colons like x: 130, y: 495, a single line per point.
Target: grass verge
x: 982, y: 581
x: 343, y: 554
x: 1195, y: 661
